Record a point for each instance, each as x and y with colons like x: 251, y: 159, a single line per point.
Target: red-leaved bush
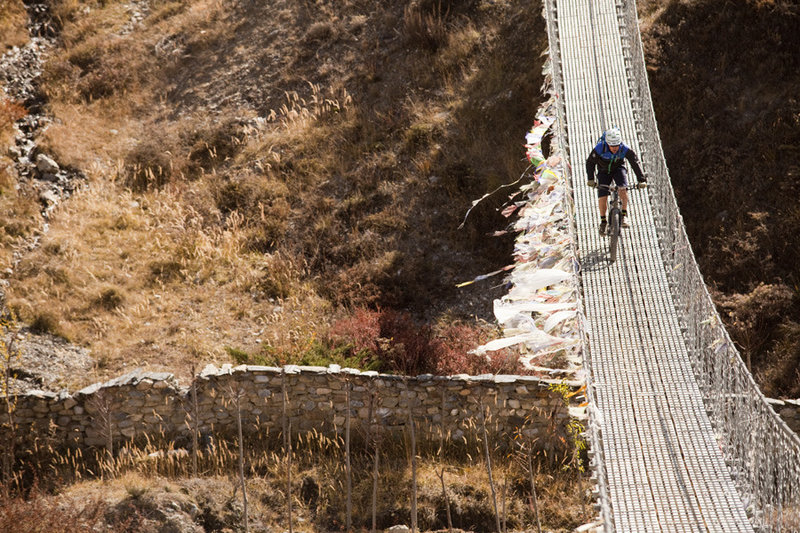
x: 457, y: 340
x: 406, y: 346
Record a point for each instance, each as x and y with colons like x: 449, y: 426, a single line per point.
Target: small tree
x: 488, y: 458
x: 287, y: 445
x: 534, y: 498
x: 195, y: 423
x: 347, y: 466
x: 440, y: 452
x: 103, y: 415
x: 236, y: 395
x: 413, y: 435
x: 373, y: 438
x: 9, y: 353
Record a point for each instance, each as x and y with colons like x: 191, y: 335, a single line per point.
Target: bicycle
x: 615, y: 217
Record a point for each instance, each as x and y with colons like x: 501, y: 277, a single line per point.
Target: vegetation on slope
x: 725, y: 78
x: 258, y: 171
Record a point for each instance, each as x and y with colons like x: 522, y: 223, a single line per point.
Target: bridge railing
x: 599, y: 474
x: 763, y: 454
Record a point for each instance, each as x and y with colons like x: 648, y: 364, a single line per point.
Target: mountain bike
x: 615, y: 217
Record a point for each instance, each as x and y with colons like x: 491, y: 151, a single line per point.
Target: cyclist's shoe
x: 624, y: 223
x: 602, y: 228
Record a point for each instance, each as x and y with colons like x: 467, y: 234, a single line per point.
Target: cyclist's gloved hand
x: 642, y: 182
x: 591, y: 183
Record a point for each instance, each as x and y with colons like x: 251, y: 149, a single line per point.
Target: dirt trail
x: 44, y: 360
x: 20, y: 73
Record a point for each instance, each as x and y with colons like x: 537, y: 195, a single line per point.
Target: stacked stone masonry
x: 143, y: 404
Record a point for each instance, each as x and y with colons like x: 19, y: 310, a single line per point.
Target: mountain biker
x: 609, y: 157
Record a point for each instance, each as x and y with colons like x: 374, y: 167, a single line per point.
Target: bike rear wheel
x: 613, y: 232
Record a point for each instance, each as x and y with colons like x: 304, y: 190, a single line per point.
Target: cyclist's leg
x: 621, y: 179
x: 603, y: 178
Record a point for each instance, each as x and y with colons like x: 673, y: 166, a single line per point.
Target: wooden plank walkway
x: 664, y: 467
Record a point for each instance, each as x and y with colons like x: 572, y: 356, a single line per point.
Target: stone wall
x: 153, y: 404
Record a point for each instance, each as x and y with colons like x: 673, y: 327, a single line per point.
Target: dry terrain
x: 259, y: 171
x: 281, y: 181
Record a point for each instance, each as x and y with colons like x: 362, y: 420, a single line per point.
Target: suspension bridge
x: 682, y: 438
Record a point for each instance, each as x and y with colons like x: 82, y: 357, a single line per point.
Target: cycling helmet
x: 614, y: 137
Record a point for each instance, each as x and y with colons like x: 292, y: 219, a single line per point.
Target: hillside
x: 282, y: 181
x: 725, y: 78
x: 257, y: 172
x: 250, y: 184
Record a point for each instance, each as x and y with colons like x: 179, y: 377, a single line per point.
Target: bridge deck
x: 664, y: 467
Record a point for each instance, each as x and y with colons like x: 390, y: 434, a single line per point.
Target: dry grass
x: 18, y: 205
x: 256, y: 172
x: 13, y: 19
x: 156, y: 475
x: 203, y: 227
x: 138, y: 280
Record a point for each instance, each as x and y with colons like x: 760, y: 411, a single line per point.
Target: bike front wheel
x: 613, y: 232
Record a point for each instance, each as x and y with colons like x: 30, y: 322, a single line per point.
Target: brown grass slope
x: 206, y: 227
x: 725, y: 77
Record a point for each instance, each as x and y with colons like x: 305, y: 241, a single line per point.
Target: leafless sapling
x: 287, y: 446
x: 488, y: 458
x: 348, y: 472
x: 8, y: 354
x: 100, y: 403
x: 410, y: 407
x: 236, y: 394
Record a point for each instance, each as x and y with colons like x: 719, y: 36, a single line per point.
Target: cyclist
x: 609, y: 157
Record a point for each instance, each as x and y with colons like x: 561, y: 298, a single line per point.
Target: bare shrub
x: 213, y: 144
x: 264, y: 203
x: 164, y: 271
x: 12, y: 24
x: 425, y: 28
x: 109, y: 299
x: 278, y: 278
x: 319, y: 32
x: 457, y: 339
x: 149, y: 165
x: 108, y: 67
x: 10, y: 112
x: 39, y: 512
x: 782, y: 369
x: 407, y: 346
x: 45, y: 322
x: 753, y: 318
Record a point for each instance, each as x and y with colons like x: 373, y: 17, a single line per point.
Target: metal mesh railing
x: 763, y: 454
x: 599, y: 473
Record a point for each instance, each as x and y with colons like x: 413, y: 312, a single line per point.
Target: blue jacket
x: 608, y: 162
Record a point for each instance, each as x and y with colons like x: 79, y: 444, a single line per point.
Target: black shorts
x: 619, y: 175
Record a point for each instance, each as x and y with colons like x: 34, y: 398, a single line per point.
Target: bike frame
x: 614, y: 220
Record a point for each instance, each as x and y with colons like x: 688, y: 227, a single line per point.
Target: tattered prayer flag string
x: 485, y: 196
x: 543, y: 279
x: 505, y: 311
x: 557, y: 318
x: 509, y: 210
x: 537, y: 339
x: 485, y: 276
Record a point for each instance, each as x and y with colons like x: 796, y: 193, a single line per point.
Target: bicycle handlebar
x: 611, y: 187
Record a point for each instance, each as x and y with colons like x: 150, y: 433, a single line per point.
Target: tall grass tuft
x: 425, y: 29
